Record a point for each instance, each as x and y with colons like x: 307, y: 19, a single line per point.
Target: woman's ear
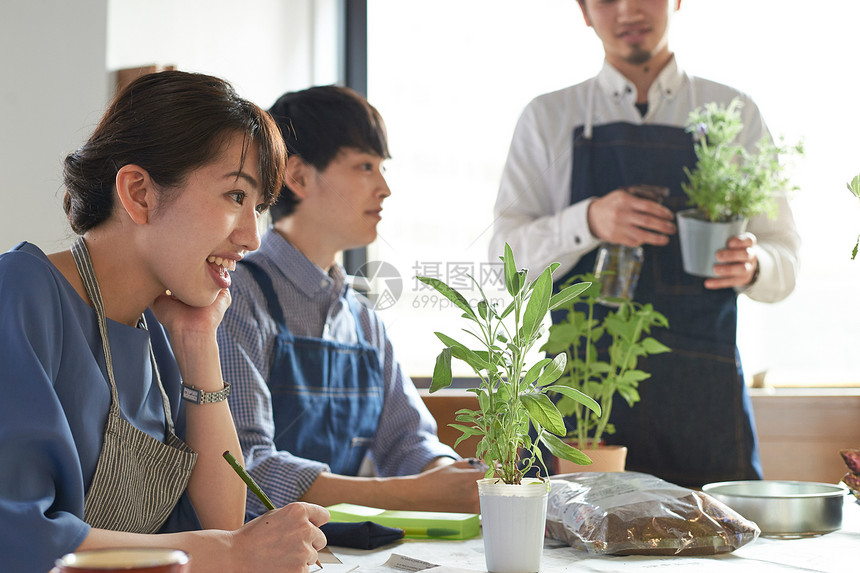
x: 136, y: 194
x: 297, y: 176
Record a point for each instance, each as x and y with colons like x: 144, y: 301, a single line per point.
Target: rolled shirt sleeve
x: 245, y: 346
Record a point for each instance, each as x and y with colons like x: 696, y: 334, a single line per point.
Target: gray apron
x: 138, y: 479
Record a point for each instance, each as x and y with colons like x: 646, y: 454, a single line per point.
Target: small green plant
x: 854, y: 187
x: 728, y: 182
x: 512, y: 396
x: 623, y: 334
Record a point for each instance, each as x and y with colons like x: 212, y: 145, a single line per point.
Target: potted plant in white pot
x: 727, y: 186
x: 512, y: 397
x: 602, y: 358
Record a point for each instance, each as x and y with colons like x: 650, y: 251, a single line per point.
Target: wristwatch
x: 195, y: 396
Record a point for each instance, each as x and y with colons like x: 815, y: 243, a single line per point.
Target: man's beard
x: 638, y: 56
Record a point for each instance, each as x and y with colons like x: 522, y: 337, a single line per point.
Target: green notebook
x: 415, y: 524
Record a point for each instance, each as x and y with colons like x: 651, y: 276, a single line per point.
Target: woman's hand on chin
x: 180, y: 318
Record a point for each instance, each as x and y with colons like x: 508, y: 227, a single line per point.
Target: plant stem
x: 584, y: 420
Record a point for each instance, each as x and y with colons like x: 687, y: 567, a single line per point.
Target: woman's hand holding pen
x: 283, y: 539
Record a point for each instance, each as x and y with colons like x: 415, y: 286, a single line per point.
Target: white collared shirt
x: 533, y: 211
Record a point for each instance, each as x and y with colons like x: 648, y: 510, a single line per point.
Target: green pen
x: 246, y: 477
x: 252, y: 485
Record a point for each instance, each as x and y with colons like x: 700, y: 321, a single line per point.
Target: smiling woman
x: 165, y: 194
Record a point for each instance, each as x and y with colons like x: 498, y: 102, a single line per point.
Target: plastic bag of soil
x: 629, y: 513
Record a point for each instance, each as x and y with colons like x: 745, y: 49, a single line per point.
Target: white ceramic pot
x: 701, y: 239
x: 513, y: 518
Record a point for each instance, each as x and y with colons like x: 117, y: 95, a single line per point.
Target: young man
x: 562, y: 194
x: 316, y: 385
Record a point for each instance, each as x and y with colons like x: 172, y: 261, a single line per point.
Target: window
x: 452, y: 78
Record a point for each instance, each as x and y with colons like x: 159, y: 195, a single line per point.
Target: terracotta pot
x: 604, y: 459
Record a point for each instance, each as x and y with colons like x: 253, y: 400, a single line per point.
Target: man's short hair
x: 320, y: 122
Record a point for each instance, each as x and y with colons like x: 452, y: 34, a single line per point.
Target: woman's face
x: 208, y: 225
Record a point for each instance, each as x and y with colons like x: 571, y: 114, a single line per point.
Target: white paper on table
x: 403, y: 563
x: 331, y: 563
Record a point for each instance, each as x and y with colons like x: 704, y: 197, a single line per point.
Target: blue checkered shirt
x: 314, y: 305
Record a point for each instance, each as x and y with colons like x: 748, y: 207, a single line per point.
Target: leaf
x: 468, y: 431
x: 854, y: 186
x: 567, y: 294
x: 442, y: 377
x: 553, y: 371
x: 483, y: 309
x: 653, y: 346
x: 510, y: 308
x: 561, y: 449
x: 542, y: 411
x: 633, y: 377
x: 538, y: 304
x: 629, y: 393
x: 451, y: 294
x: 459, y: 350
x: 511, y: 277
x: 577, y: 396
x: 534, y: 371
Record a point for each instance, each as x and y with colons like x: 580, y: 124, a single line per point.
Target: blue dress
x: 54, y: 404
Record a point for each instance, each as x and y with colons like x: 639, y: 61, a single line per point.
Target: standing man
x: 316, y: 384
x: 562, y: 193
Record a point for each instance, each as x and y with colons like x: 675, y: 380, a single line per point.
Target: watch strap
x: 197, y: 396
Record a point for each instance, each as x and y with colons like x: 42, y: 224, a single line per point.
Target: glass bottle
x: 617, y: 266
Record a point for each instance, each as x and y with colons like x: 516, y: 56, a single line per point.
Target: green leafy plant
x: 512, y: 396
x: 728, y: 182
x: 623, y: 333
x: 854, y: 187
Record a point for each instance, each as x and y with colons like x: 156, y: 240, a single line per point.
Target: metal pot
x: 784, y: 508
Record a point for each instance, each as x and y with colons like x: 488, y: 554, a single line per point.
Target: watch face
x: 190, y: 394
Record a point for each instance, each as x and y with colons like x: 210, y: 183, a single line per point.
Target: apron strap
x: 355, y: 309
x: 88, y: 275
x: 265, y: 283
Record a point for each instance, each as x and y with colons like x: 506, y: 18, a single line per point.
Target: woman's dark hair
x: 318, y: 123
x: 169, y: 123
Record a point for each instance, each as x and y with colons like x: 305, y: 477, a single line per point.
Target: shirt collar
x: 307, y: 277
x: 616, y: 86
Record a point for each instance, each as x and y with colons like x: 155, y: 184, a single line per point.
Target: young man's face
x: 347, y: 197
x: 632, y: 31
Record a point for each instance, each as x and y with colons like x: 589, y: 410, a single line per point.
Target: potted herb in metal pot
x: 601, y: 361
x: 512, y: 397
x: 727, y: 186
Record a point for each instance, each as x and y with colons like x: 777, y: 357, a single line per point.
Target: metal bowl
x: 784, y: 508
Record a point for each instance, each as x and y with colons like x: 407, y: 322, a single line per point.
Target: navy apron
x: 326, y: 396
x: 694, y: 422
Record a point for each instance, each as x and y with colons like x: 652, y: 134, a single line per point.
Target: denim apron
x: 138, y: 479
x: 694, y: 422
x: 327, y: 396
